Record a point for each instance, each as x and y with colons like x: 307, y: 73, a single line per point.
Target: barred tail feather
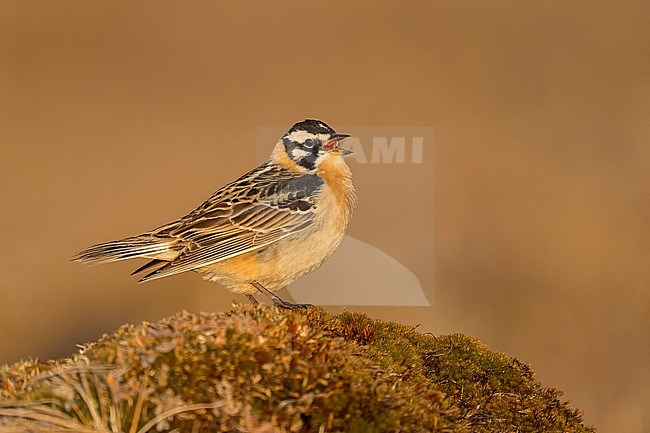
x: 124, y: 249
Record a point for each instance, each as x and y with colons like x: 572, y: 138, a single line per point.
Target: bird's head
x: 310, y: 142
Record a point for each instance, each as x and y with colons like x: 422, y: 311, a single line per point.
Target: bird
x: 260, y: 232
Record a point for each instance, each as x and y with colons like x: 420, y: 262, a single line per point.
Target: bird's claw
x: 290, y: 306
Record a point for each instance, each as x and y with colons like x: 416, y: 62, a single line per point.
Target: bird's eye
x: 309, y: 143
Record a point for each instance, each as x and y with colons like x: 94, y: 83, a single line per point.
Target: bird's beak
x: 333, y: 144
x: 339, y: 137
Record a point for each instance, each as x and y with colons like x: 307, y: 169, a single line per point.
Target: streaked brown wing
x: 251, y: 216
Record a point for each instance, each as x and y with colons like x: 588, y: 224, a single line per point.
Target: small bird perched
x: 261, y: 232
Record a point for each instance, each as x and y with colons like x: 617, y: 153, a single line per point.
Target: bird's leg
x: 279, y: 302
x: 252, y: 299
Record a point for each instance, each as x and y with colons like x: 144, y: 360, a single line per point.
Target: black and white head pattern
x: 304, y: 142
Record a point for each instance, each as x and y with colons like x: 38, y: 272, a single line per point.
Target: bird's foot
x: 277, y: 301
x: 281, y: 303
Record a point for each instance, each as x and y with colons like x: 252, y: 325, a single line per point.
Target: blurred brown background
x: 116, y: 117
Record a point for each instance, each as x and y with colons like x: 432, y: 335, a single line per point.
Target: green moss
x: 260, y: 369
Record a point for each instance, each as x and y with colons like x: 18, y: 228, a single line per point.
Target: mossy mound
x: 258, y: 369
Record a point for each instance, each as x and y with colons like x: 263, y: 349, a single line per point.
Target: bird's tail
x: 129, y: 248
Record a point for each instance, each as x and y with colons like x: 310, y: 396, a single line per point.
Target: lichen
x: 259, y: 369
